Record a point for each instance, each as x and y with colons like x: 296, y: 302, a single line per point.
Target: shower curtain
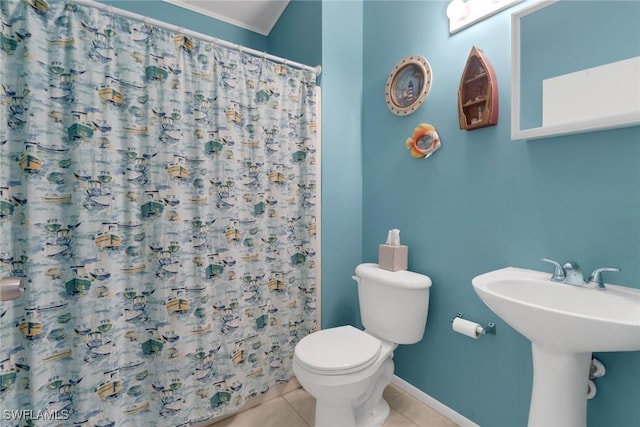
x: 158, y: 200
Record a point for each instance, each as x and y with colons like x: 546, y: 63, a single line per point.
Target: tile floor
x: 297, y: 409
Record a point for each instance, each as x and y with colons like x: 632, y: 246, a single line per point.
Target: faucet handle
x: 596, y: 277
x: 559, y: 274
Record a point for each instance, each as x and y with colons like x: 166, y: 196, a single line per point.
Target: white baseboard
x: 433, y: 403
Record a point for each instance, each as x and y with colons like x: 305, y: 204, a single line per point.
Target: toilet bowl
x: 347, y: 369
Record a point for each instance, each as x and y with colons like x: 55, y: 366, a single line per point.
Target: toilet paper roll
x: 465, y: 327
x: 591, y: 389
x: 11, y: 288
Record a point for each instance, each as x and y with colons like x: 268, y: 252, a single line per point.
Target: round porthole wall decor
x: 408, y: 85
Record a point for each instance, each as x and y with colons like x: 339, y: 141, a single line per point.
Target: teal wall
x: 484, y: 202
x: 342, y: 112
x: 297, y: 35
x: 330, y: 33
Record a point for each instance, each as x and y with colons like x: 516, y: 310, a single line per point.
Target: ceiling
x: 256, y: 15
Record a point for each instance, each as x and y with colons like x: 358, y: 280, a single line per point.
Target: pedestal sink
x: 565, y: 324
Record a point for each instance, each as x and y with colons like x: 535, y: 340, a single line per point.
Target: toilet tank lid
x: 401, y: 279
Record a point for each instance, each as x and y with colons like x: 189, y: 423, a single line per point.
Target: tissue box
x: 393, y: 258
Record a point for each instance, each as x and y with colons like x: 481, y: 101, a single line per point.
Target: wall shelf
x: 478, y: 93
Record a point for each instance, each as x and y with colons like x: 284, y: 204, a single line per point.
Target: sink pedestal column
x: 559, y: 395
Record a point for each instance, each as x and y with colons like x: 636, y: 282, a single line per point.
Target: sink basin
x: 565, y: 324
x: 562, y: 317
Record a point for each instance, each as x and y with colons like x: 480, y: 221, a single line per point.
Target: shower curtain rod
x: 110, y: 9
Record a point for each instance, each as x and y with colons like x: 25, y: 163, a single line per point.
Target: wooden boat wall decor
x: 478, y: 93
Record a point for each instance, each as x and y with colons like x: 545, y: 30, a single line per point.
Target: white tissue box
x: 393, y: 258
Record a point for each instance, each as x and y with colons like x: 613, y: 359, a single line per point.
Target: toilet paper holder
x: 490, y: 329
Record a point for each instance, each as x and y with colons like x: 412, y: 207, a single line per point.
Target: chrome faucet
x: 571, y: 274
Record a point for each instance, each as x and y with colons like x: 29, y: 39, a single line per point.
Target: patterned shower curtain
x: 158, y: 199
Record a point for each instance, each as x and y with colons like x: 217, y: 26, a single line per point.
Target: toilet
x: 347, y: 369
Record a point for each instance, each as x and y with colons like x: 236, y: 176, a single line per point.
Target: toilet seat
x: 337, y: 351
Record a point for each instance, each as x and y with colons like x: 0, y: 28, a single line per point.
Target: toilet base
x: 376, y: 415
x: 367, y: 410
x: 332, y: 415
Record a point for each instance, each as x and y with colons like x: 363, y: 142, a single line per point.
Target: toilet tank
x: 393, y: 304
